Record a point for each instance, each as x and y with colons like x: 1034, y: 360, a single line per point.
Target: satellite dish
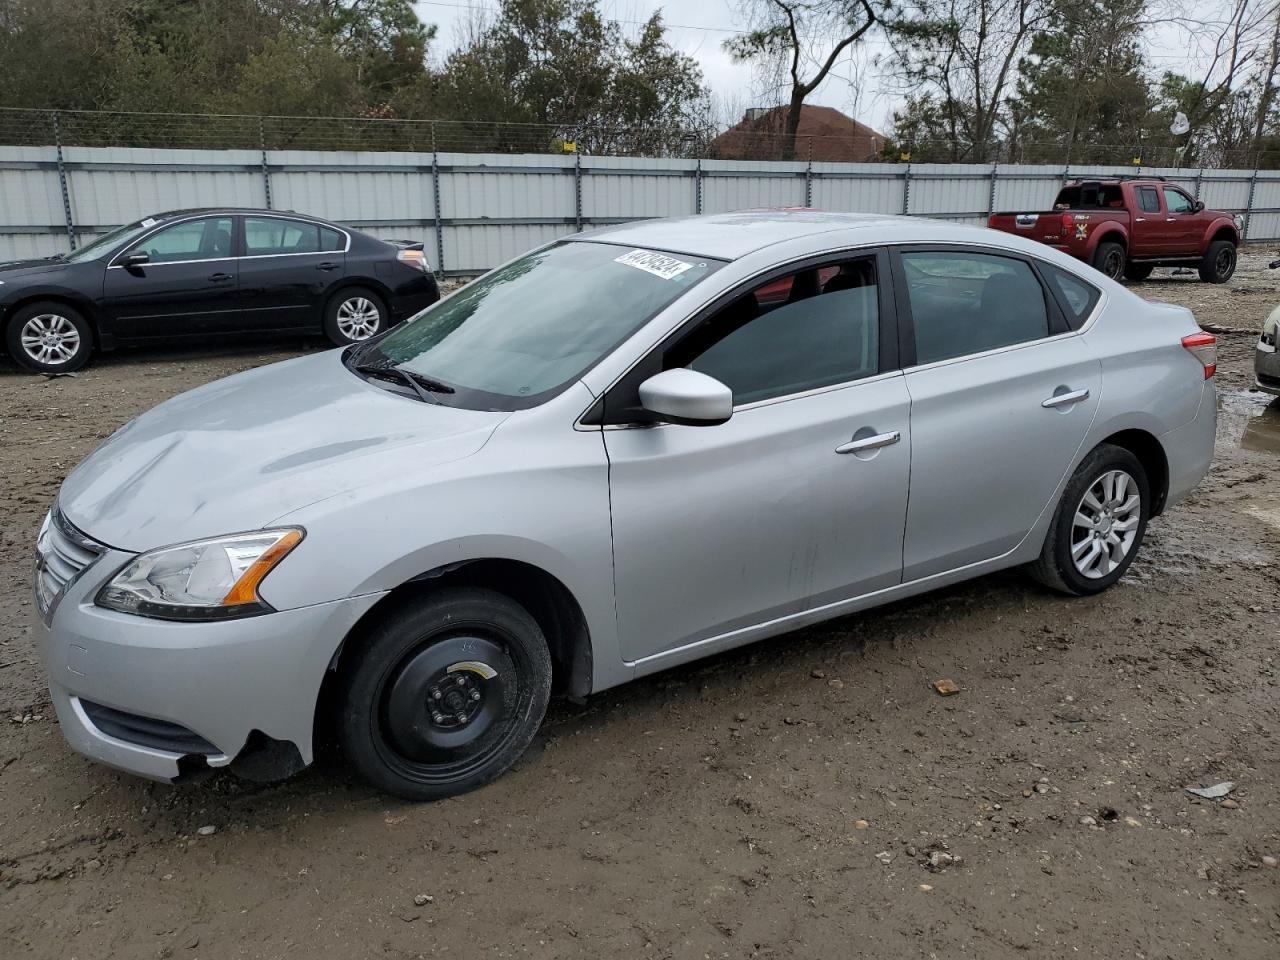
x: 1180, y: 124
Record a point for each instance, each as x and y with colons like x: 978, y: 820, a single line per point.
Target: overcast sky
x: 857, y: 86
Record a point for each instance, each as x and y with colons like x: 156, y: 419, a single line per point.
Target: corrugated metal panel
x: 948, y: 189
x: 643, y: 187
x: 480, y: 248
x: 391, y: 194
x: 747, y: 184
x: 858, y: 187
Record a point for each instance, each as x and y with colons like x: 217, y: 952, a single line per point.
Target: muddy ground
x: 780, y: 801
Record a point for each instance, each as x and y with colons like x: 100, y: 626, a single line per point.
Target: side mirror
x: 1199, y: 205
x: 136, y: 259
x: 687, y: 397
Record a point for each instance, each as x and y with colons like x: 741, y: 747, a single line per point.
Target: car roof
x: 202, y: 211
x: 729, y: 236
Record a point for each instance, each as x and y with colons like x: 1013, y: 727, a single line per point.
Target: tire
x: 1057, y: 567
x: 445, y: 694
x: 1109, y: 259
x: 1219, y: 262
x: 353, y: 315
x: 1137, y: 272
x: 49, y: 337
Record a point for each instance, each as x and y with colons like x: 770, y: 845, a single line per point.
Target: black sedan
x: 209, y: 273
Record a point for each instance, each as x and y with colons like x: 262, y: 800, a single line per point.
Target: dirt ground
x: 780, y: 801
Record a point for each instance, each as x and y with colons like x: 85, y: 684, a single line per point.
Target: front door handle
x: 326, y: 266
x: 1062, y: 399
x: 870, y: 443
x: 220, y: 277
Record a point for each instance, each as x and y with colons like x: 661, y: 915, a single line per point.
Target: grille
x: 62, y: 554
x: 146, y: 732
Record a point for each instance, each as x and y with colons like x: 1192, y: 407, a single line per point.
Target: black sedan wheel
x: 354, y: 315
x: 446, y: 694
x: 49, y: 337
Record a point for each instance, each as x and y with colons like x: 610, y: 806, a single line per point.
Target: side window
x: 206, y: 239
x: 813, y: 328
x: 1148, y: 202
x: 1077, y: 296
x: 1177, y: 201
x: 268, y: 236
x: 331, y: 239
x: 964, y: 303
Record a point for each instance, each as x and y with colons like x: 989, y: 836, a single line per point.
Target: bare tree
x: 957, y: 62
x: 788, y: 42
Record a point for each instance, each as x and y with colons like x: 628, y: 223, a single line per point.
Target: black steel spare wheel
x: 446, y: 695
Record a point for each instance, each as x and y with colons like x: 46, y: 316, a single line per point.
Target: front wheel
x: 49, y: 337
x: 445, y: 694
x: 354, y: 315
x: 1219, y: 262
x: 1109, y: 259
x: 1098, y: 526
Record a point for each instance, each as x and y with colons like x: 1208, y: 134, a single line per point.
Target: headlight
x: 205, y: 580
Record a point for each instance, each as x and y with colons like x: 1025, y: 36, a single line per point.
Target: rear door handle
x: 870, y: 443
x: 326, y: 266
x: 220, y: 277
x: 1062, y: 399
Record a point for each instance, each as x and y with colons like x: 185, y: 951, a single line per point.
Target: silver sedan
x: 614, y: 455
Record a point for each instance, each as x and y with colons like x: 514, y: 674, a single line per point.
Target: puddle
x: 1249, y: 421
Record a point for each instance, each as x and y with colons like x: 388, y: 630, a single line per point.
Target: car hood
x: 238, y: 453
x: 16, y: 269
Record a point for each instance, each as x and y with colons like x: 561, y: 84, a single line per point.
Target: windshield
x: 527, y: 329
x: 108, y: 241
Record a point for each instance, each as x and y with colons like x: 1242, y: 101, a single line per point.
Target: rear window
x: 1090, y: 196
x: 1075, y: 295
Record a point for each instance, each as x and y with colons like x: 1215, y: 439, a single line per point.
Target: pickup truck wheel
x: 1109, y: 259
x: 444, y: 694
x: 1219, y: 262
x: 1137, y: 272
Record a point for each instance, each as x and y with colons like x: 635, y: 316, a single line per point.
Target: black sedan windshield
x: 108, y: 241
x: 527, y: 329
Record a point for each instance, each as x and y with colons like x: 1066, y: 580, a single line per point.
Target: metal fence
x: 475, y: 210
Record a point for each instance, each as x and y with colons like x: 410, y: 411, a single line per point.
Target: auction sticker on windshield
x: 659, y: 264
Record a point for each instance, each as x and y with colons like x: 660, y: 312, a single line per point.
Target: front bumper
x: 1266, y: 370
x: 221, y: 681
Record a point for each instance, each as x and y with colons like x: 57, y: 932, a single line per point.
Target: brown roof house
x: 830, y: 134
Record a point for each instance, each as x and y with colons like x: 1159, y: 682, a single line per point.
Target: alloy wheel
x: 50, y: 338
x: 358, y: 318
x: 1105, y: 524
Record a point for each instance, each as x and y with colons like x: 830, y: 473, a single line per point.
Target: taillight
x: 1066, y: 223
x: 1204, y: 346
x: 414, y: 258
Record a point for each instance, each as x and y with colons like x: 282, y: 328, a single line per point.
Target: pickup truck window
x: 1177, y: 201
x: 1090, y: 196
x: 1147, y: 200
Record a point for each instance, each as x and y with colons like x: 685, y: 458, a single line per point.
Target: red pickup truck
x: 1125, y: 226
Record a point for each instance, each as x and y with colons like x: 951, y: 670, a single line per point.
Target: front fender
x: 1219, y: 224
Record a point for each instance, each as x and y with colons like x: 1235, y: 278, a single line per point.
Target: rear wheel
x: 1099, y: 524
x: 353, y: 315
x: 1137, y: 272
x: 1219, y: 262
x: 49, y: 337
x: 1109, y: 259
x: 446, y: 694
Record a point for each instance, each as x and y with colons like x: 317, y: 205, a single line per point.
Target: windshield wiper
x: 422, y: 385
